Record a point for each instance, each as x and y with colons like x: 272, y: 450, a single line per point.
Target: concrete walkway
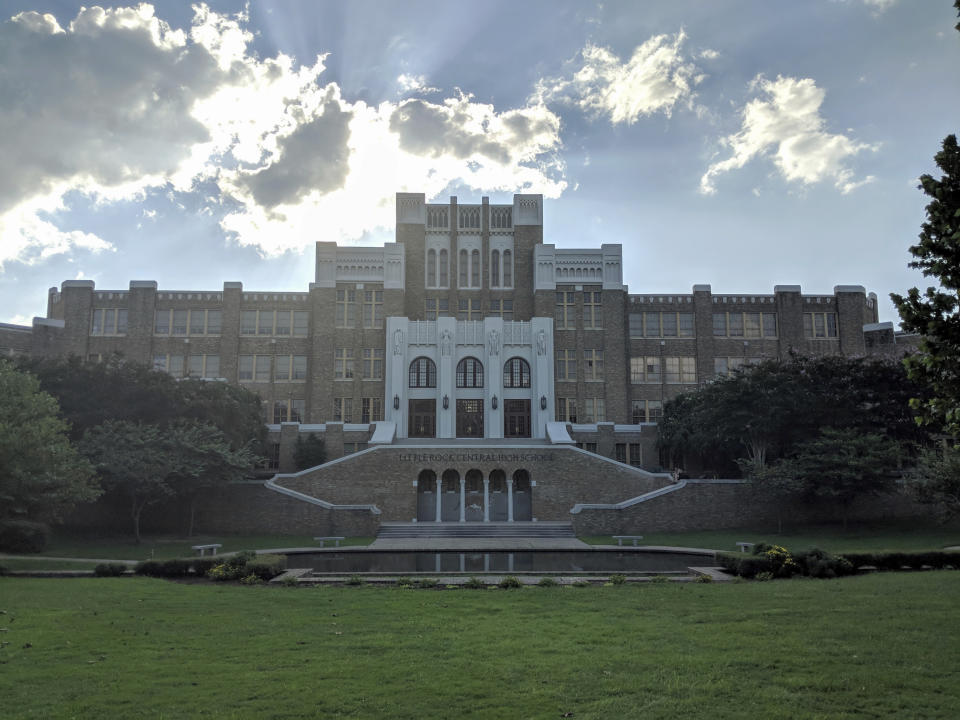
x: 436, y: 544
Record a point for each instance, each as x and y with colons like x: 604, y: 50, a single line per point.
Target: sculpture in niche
x: 446, y: 342
x: 398, y: 342
x: 541, y: 343
x: 493, y: 342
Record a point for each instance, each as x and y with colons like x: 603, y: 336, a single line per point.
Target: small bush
x: 354, y: 580
x: 224, y: 572
x: 475, y: 583
x: 109, y: 570
x: 266, y: 567
x: 405, y: 582
x: 4, y: 570
x: 703, y: 579
x: 150, y: 568
x: 510, y: 581
x: 547, y: 581
x: 819, y: 564
x: 581, y: 584
x: 764, y: 576
x: 426, y: 583
x: 290, y: 581
x: 201, y: 565
x: 23, y: 536
x: 660, y: 579
x: 251, y: 579
x: 618, y: 579
x: 240, y: 559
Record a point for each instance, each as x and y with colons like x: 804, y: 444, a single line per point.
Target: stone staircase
x: 476, y: 530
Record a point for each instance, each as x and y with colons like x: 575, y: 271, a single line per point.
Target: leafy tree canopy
x: 309, y: 452
x: 42, y: 476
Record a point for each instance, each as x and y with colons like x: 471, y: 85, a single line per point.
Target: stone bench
x: 212, y: 547
x: 621, y: 538
x: 336, y: 540
x: 745, y: 546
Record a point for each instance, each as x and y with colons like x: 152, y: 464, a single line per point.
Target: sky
x: 737, y: 143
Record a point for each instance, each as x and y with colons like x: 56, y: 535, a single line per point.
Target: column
x: 463, y: 498
x: 509, y: 499
x: 486, y: 498
x: 439, y: 498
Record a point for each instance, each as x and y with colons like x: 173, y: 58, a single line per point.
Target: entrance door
x: 516, y: 418
x: 426, y: 496
x: 450, y: 496
x: 422, y: 419
x: 469, y: 418
x: 522, y: 501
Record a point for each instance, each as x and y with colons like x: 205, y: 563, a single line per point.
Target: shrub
x: 427, y: 583
x: 475, y: 583
x: 290, y: 581
x: 781, y: 561
x: 510, y: 581
x: 703, y: 579
x: 3, y: 570
x: 581, y: 583
x: 819, y: 564
x: 266, y: 567
x: 660, y: 579
x: 547, y: 581
x: 240, y: 559
x: 201, y: 565
x: 150, y: 568
x: 109, y: 570
x: 764, y: 576
x: 251, y: 579
x: 618, y: 579
x: 23, y: 536
x: 405, y: 582
x: 744, y: 565
x: 354, y: 580
x: 224, y: 572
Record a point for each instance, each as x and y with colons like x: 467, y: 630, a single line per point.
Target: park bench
x: 212, y: 547
x: 621, y: 538
x: 745, y: 546
x: 336, y: 540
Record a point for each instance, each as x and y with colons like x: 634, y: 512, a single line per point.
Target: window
x: 290, y: 410
x: 281, y: 368
x: 680, y: 370
x: 431, y: 268
x: 735, y: 324
x: 179, y: 322
x: 593, y: 364
x: 475, y: 269
x: 567, y: 410
x: 343, y: 364
x: 751, y: 325
x: 160, y: 363
x: 769, y: 324
x: 621, y: 452
x: 820, y: 325
x: 373, y: 308
x: 299, y: 367
x: 280, y: 411
x: 592, y: 310
x: 464, y: 266
x: 297, y: 410
x: 636, y: 456
x: 719, y: 324
x: 261, y: 368
x: 373, y: 363
x: 470, y: 309
x: 507, y: 269
x: 444, y: 269
x: 469, y: 373
x: 343, y: 409
x: 566, y: 365
x: 516, y: 373
x: 248, y: 322
x: 171, y: 364
x: 203, y: 366
x: 282, y: 323
x: 109, y: 321
x: 423, y: 373
x: 645, y: 369
x: 642, y: 411
x: 651, y: 324
x: 300, y: 323
x: 346, y: 308
x: 290, y: 367
x: 273, y: 456
x: 198, y: 322
x: 563, y: 312
x: 594, y: 410
x: 661, y: 324
x: 265, y: 322
x: 162, y: 322
x: 723, y: 366
x: 502, y: 308
x: 745, y: 324
x: 371, y: 409
x: 245, y: 367
x: 436, y: 307
x: 495, y: 269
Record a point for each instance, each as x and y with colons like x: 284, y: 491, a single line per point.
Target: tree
x: 135, y: 460
x: 936, y: 479
x: 843, y: 464
x: 42, y: 476
x: 309, y: 452
x: 935, y: 315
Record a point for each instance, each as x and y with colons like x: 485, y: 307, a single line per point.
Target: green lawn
x: 899, y: 535
x: 33, y: 563
x: 881, y: 645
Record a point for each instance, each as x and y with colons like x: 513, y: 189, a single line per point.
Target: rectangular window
x: 563, y: 312
x: 820, y: 325
x: 109, y: 321
x: 593, y: 364
x: 179, y: 322
x: 636, y: 325
x: 769, y: 324
x: 566, y: 365
x: 720, y: 366
x: 211, y: 366
x: 265, y: 322
x: 248, y: 322
x: 470, y: 309
x: 651, y: 324
x: 654, y: 411
x: 198, y: 322
x: 343, y: 410
x: 735, y: 324
x: 96, y: 327
x: 261, y: 372
x: 567, y: 410
x: 621, y: 452
x: 719, y: 324
x: 592, y: 310
x: 283, y: 322
x: 668, y: 324
x: 299, y: 367
x: 214, y: 322
x: 371, y: 410
x: 245, y: 367
x: 681, y: 370
x: 195, y: 366
x: 373, y: 308
x: 638, y: 411
x: 160, y: 363
x: 301, y: 323
x: 594, y: 410
x: 175, y: 365
x: 161, y: 324
x: 343, y: 363
x: 751, y: 325
x: 503, y: 308
x: 273, y: 456
x: 281, y: 367
x: 279, y: 411
x: 373, y: 363
x: 297, y: 410
x: 645, y: 369
x: 685, y: 324
x: 636, y: 456
x: 346, y: 308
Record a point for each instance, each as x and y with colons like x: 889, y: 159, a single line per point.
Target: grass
x: 31, y: 563
x: 882, y: 645
x: 899, y: 535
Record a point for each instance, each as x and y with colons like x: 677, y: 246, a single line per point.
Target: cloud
x: 784, y: 124
x: 879, y: 6
x: 118, y: 103
x: 414, y: 84
x: 656, y: 78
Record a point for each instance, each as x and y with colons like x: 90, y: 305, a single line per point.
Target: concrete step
x: 476, y: 530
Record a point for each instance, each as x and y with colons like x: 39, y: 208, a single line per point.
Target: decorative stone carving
x: 493, y: 343
x: 541, y: 343
x: 398, y: 342
x: 446, y: 342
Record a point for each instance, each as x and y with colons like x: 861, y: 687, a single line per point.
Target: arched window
x: 507, y: 268
x: 498, y: 481
x: 443, y: 268
x: 516, y: 373
x: 427, y: 481
x: 431, y: 268
x: 463, y: 268
x: 475, y: 269
x: 469, y: 373
x: 423, y: 373
x: 521, y: 481
x: 495, y: 269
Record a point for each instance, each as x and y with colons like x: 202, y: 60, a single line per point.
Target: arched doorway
x: 426, y: 496
x: 473, y: 510
x: 522, y: 496
x: 450, y: 496
x: 498, y: 496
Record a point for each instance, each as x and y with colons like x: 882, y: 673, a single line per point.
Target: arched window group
x: 470, y: 373
x: 501, y: 269
x: 423, y: 373
x: 516, y: 373
x: 469, y: 267
x: 438, y: 267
